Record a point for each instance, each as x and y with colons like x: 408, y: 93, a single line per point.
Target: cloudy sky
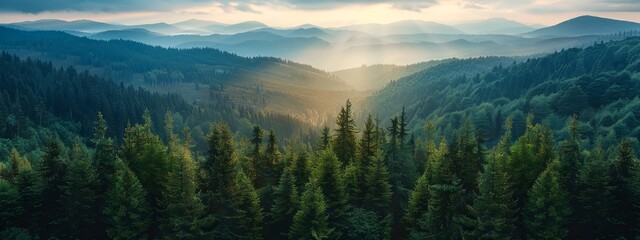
x: 329, y: 13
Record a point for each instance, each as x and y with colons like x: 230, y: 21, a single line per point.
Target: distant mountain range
x: 585, y: 25
x: 402, y: 42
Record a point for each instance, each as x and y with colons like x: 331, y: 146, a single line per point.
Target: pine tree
x: 377, y: 187
x: 344, y: 141
x: 80, y: 195
x: 11, y: 209
x: 53, y: 169
x: 596, y: 198
x: 17, y: 164
x: 104, y: 159
x: 325, y: 139
x: 229, y: 196
x: 30, y: 185
x: 624, y: 176
x: 467, y: 157
x: 256, y: 158
x: 493, y: 212
x: 285, y: 205
x: 311, y: 221
x: 445, y: 204
x: 146, y: 155
x: 127, y: 208
x: 547, y: 212
x: 300, y: 169
x: 418, y: 203
x: 272, y: 167
x: 368, y: 145
x: 245, y: 215
x: 180, y: 207
x: 328, y: 176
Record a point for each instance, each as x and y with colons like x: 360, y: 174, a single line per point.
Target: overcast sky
x: 328, y: 13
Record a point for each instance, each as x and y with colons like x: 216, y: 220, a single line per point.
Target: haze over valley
x: 296, y: 119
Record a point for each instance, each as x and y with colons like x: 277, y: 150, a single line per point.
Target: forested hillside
x: 38, y: 101
x: 379, y: 184
x: 599, y: 84
x: 263, y: 83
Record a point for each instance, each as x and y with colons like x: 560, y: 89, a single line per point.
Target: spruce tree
x: 344, y: 141
x: 328, y: 176
x: 493, y: 212
x: 466, y: 155
x: 30, y: 185
x: 377, y: 187
x: 104, y: 158
x: 127, y: 209
x: 325, y: 139
x: 17, y: 164
x: 595, y: 198
x: 245, y: 214
x: 285, y: 205
x: 446, y: 202
x: 146, y: 155
x: 624, y: 176
x: 228, y: 194
x: 80, y: 195
x: 256, y: 158
x: 180, y: 208
x: 547, y: 212
x: 311, y: 221
x: 53, y: 170
x: 9, y: 200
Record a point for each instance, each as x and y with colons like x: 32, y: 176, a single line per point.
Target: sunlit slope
x: 198, y: 74
x: 600, y: 84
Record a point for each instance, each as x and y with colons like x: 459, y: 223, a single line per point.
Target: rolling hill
x: 585, y: 25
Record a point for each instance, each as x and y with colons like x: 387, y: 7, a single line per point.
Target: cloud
x: 37, y: 6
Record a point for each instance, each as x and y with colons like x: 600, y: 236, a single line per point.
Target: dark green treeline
x: 372, y: 182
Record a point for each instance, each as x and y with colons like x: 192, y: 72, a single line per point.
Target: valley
x: 402, y: 129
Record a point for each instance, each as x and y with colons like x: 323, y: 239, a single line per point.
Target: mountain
x: 585, y: 25
x: 234, y: 28
x: 134, y: 34
x: 300, y: 32
x: 494, y: 26
x: 404, y: 27
x: 163, y: 28
x: 196, y: 24
x: 199, y: 75
x: 600, y: 84
x: 78, y: 25
x: 375, y: 77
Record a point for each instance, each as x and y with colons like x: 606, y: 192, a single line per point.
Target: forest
x: 367, y: 182
x: 91, y: 147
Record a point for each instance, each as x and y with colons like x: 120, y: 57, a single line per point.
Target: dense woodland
x: 598, y: 83
x: 484, y: 149
x: 370, y: 182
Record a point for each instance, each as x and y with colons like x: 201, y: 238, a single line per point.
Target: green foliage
x: 180, y: 208
x: 366, y: 224
x: 547, y: 212
x: 595, y: 198
x: 127, y: 209
x: 493, y: 213
x: 328, y: 177
x: 625, y: 177
x: 80, y: 195
x: 312, y: 220
x: 377, y: 187
x: 9, y: 198
x: 285, y: 205
x: 344, y: 141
